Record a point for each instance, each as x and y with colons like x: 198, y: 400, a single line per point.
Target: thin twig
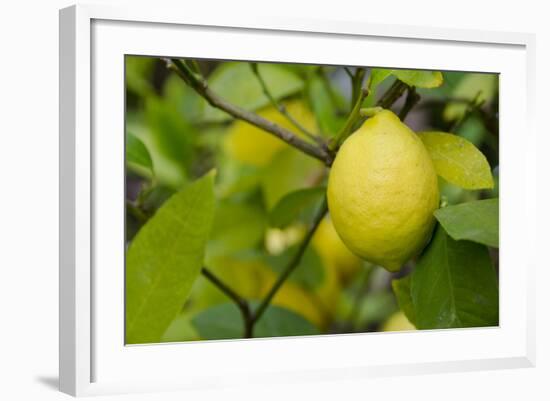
x: 292, y: 265
x: 353, y: 117
x: 193, y: 65
x: 199, y: 84
x: 410, y: 101
x: 489, y: 119
x: 387, y: 100
x: 243, y: 305
x: 280, y: 107
x: 348, y: 71
x: 474, y: 105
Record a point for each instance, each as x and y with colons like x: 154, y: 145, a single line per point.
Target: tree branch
x: 199, y: 84
x: 292, y: 265
x: 243, y: 305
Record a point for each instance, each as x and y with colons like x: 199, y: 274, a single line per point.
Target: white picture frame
x: 93, y: 358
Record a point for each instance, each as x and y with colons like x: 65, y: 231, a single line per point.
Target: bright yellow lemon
x: 382, y: 192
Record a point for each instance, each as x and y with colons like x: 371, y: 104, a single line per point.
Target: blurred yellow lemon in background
x: 297, y: 299
x: 254, y: 146
x: 254, y: 279
x: 334, y: 252
x: 382, y: 192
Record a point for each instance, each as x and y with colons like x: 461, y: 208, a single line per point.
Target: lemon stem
x: 370, y: 111
x: 353, y: 117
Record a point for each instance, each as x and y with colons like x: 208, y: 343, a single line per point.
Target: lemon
x: 253, y: 146
x: 382, y: 192
x: 334, y: 253
x: 398, y: 322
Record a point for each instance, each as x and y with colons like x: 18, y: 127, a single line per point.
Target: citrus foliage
x: 421, y: 203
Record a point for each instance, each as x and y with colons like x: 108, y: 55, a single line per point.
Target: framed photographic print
x: 295, y: 200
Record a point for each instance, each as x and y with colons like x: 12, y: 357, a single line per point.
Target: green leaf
x: 377, y: 76
x: 236, y: 83
x: 180, y: 329
x: 236, y: 178
x: 137, y: 153
x: 153, y: 198
x: 168, y: 172
x: 173, y: 136
x: 474, y: 221
x: 237, y: 227
x: 164, y: 259
x: 402, y: 290
x: 309, y: 273
x: 420, y: 78
x: 225, y: 322
x: 457, y: 160
x: 187, y: 101
x: 323, y: 106
x: 450, y: 81
x: 470, y: 86
x: 138, y: 74
x: 298, y: 206
x: 288, y: 171
x: 454, y: 285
